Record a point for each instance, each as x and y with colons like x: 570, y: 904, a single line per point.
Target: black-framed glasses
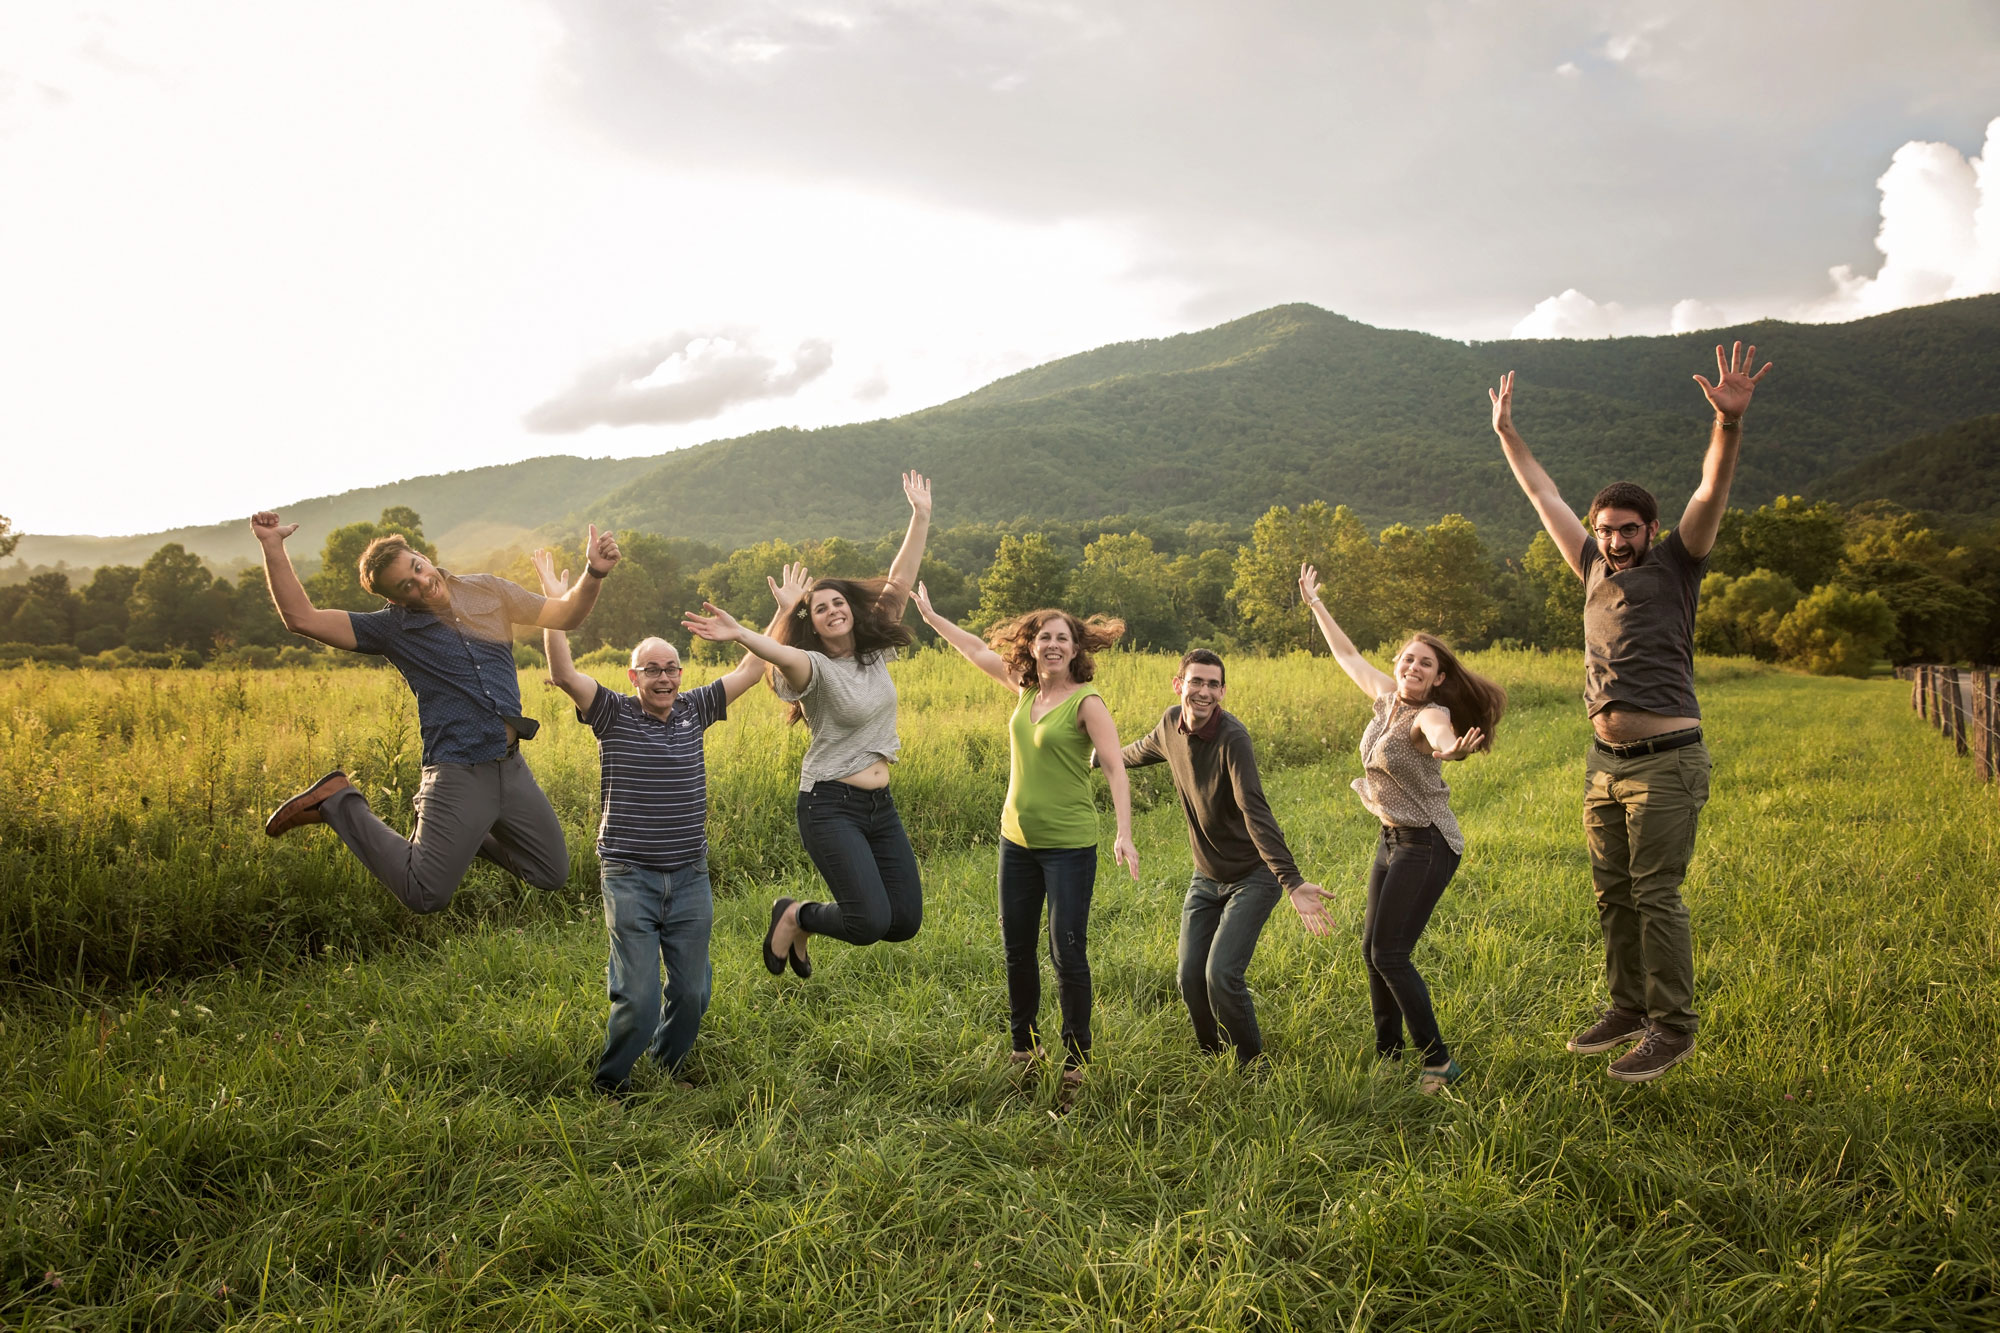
x: 1626, y: 530
x: 651, y: 672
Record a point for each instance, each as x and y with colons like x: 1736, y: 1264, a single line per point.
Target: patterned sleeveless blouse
x: 1401, y: 782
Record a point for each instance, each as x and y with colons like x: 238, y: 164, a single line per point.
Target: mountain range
x: 1280, y: 407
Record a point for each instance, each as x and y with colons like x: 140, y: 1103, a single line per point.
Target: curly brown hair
x: 1014, y: 640
x: 877, y: 626
x: 1470, y: 698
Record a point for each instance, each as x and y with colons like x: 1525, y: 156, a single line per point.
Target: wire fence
x: 1964, y: 708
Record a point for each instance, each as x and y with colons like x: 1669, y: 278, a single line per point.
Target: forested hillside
x: 1954, y: 472
x: 1283, y: 407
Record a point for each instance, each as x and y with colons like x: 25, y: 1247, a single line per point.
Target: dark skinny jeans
x: 855, y: 837
x: 1412, y: 867
x: 1065, y: 877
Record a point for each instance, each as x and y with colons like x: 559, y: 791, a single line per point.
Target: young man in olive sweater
x: 1241, y: 863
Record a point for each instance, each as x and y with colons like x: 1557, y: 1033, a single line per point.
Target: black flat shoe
x: 774, y: 962
x: 800, y: 963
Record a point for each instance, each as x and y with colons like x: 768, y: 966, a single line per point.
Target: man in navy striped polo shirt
x: 652, y: 841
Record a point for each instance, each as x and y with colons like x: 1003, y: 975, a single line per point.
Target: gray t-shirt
x: 851, y: 709
x: 1638, y: 630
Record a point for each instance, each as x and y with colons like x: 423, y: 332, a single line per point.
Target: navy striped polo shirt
x: 654, y: 781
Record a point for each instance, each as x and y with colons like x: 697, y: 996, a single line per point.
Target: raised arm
x: 1730, y: 397
x: 563, y: 674
x: 600, y: 557
x: 718, y: 626
x: 1103, y: 733
x: 1564, y: 527
x: 1374, y: 682
x: 903, y: 570
x: 332, y: 628
x: 970, y: 646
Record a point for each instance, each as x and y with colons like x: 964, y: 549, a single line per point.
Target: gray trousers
x: 464, y: 811
x: 1220, y: 924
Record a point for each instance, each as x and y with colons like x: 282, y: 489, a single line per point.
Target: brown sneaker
x: 1662, y: 1049
x: 304, y: 808
x: 1613, y: 1028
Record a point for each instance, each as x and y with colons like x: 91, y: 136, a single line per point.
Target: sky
x: 255, y: 252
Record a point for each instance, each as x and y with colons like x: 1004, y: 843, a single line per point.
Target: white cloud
x: 1940, y: 233
x: 1568, y: 69
x: 1572, y: 315
x: 682, y: 378
x: 1690, y: 315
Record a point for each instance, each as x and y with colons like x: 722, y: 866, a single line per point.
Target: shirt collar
x: 1206, y: 731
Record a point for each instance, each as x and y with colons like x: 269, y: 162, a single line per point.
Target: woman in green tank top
x: 1048, y: 827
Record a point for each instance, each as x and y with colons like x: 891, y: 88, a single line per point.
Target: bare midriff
x: 872, y: 778
x: 1621, y: 726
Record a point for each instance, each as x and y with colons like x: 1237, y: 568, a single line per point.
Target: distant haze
x: 252, y: 253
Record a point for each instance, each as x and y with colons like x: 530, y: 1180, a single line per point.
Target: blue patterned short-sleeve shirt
x: 460, y: 665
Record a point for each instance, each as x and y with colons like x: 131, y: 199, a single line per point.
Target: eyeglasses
x: 651, y: 672
x: 1626, y: 530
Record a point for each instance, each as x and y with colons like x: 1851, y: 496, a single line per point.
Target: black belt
x: 1672, y: 740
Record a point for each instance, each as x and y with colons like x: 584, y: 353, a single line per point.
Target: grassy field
x: 243, y: 1090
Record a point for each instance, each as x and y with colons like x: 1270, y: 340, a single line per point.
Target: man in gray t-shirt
x: 1647, y: 772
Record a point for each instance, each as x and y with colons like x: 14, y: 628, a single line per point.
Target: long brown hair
x: 877, y: 626
x: 1470, y: 698
x: 1014, y: 640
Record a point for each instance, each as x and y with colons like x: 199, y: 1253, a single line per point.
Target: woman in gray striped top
x: 1403, y: 752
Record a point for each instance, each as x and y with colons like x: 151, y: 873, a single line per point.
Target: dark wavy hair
x: 1470, y: 698
x: 877, y: 626
x: 1625, y: 495
x: 1014, y: 640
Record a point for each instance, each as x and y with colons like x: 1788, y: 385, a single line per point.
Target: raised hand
x: 718, y: 626
x: 553, y: 584
x: 600, y: 550
x: 1125, y: 854
x: 266, y: 528
x: 923, y: 596
x: 1503, y: 403
x: 1309, y: 901
x: 918, y: 488
x: 1467, y: 746
x: 793, y: 590
x: 1308, y: 584
x: 1730, y: 394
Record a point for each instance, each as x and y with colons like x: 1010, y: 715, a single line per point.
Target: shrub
x: 1739, y: 617
x: 1836, y: 632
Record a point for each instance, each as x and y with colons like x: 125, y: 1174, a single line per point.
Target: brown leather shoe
x: 304, y: 808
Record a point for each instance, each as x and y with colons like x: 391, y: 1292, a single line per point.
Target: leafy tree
x: 1836, y: 631
x: 1437, y: 580
x: 1125, y: 577
x: 951, y: 592
x: 103, y: 617
x: 1803, y: 542
x: 1266, y: 591
x: 1200, y: 586
x: 738, y: 583
x: 337, y: 585
x: 9, y: 538
x: 1027, y: 573
x: 1739, y: 617
x: 47, y: 614
x: 1561, y: 593
x: 170, y: 603
x: 1937, y: 619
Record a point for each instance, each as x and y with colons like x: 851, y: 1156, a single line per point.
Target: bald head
x: 657, y: 649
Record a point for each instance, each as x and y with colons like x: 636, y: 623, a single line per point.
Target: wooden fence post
x: 1957, y: 713
x: 1924, y: 692
x: 1982, y: 724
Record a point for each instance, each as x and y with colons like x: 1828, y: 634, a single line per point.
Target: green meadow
x: 244, y: 1089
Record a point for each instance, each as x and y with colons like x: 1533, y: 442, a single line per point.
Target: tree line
x: 1820, y: 586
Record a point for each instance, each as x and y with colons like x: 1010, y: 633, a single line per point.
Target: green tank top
x: 1050, y: 802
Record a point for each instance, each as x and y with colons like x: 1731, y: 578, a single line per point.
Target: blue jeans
x: 1220, y: 924
x: 654, y: 917
x: 1412, y: 867
x: 1066, y: 878
x: 856, y: 839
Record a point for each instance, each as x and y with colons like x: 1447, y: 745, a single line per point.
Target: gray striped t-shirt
x: 851, y: 708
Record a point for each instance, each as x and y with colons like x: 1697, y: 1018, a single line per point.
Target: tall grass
x: 402, y: 1134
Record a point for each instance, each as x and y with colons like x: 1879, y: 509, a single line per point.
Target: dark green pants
x: 1639, y: 815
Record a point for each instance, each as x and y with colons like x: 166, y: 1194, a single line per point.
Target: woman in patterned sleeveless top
x: 1402, y: 783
